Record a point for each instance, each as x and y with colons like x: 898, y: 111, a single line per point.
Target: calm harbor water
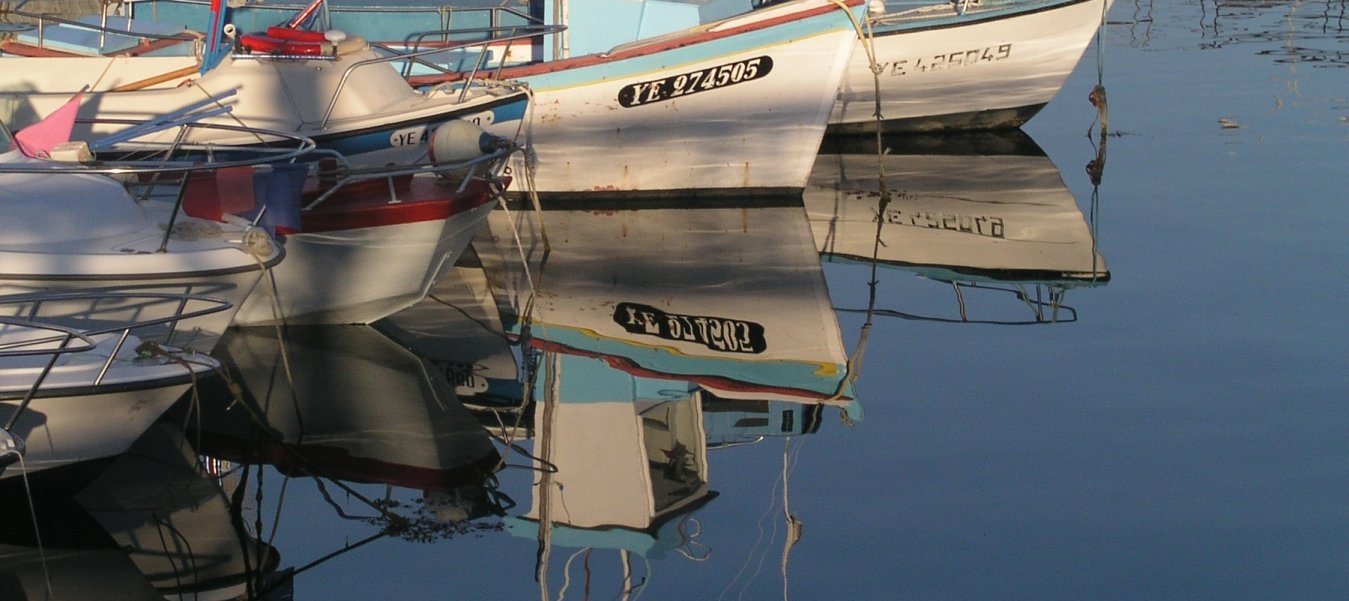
x: 1175, y: 430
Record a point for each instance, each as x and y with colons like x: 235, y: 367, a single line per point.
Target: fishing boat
x: 962, y: 64
x: 73, y: 395
x: 983, y: 212
x: 701, y: 99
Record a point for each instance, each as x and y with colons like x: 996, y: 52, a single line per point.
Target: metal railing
x: 65, y: 338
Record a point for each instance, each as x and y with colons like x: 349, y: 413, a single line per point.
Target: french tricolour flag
x: 271, y: 191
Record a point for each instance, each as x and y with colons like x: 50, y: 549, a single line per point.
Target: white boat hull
x: 945, y: 72
x: 73, y: 232
x: 86, y: 405
x: 642, y: 124
x: 63, y: 430
x: 358, y: 276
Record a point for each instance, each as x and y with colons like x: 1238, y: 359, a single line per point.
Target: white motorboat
x: 71, y: 226
x: 348, y: 100
x: 962, y: 64
x: 71, y: 395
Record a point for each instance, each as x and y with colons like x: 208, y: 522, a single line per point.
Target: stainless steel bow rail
x: 418, y: 56
x: 22, y: 315
x: 116, y: 154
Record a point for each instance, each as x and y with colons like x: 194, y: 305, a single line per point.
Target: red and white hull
x: 359, y: 265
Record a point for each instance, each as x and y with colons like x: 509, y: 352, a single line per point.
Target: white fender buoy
x: 457, y: 141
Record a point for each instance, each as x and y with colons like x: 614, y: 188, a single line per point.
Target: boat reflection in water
x: 153, y: 525
x: 982, y: 212
x: 347, y: 403
x: 642, y: 339
x: 729, y: 298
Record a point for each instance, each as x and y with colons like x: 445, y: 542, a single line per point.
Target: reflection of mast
x: 622, y: 466
x: 547, y: 425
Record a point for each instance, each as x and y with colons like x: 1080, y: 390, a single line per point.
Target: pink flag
x: 38, y: 140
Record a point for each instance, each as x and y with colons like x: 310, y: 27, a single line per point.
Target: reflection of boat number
x: 992, y: 227
x: 463, y: 379
x: 702, y: 80
x: 716, y: 333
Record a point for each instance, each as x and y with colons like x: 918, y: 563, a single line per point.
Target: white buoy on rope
x: 457, y: 141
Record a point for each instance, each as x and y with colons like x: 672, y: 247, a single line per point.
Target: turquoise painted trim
x: 673, y: 59
x: 796, y: 375
x: 591, y: 381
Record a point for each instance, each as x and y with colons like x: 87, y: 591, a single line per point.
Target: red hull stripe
x: 422, y: 199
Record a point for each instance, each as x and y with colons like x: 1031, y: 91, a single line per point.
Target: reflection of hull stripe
x: 337, y: 462
x: 106, y: 389
x: 1001, y: 275
x: 723, y: 382
x: 1001, y: 118
x: 138, y: 277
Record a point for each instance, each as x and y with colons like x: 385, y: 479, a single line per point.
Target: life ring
x: 260, y: 44
x: 287, y: 41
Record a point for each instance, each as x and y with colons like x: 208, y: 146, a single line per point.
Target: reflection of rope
x: 687, y: 541
x: 37, y: 532
x: 1096, y: 167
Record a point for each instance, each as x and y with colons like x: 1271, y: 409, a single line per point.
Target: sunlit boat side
x: 963, y: 64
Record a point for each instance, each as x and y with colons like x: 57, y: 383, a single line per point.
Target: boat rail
x: 276, y: 146
x: 25, y: 313
x: 924, y: 10
x: 1045, y: 303
x: 40, y: 20
x: 397, y: 55
x: 342, y: 174
x: 118, y: 149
